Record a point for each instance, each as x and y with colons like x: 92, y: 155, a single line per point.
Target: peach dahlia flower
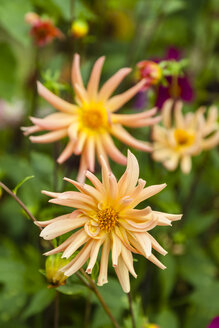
x: 90, y: 122
x: 177, y: 141
x: 105, y: 215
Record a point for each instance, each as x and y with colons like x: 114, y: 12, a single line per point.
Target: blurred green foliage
x: 185, y: 295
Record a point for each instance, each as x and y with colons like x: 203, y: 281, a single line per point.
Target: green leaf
x: 206, y: 297
x: 39, y: 302
x: 196, y: 267
x: 168, y: 276
x: 166, y: 319
x: 21, y: 183
x: 8, y: 71
x: 173, y: 6
x: 12, y: 15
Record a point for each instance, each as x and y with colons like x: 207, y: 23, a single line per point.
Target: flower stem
x: 93, y: 287
x: 131, y: 310
x: 56, y: 312
x: 10, y: 192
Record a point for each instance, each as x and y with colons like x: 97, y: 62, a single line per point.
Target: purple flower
x: 214, y: 323
x: 177, y: 87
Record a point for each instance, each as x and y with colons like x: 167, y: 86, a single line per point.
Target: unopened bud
x: 79, y: 28
x: 150, y: 71
x: 53, y: 265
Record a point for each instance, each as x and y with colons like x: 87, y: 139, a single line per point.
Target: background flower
x: 90, y: 122
x: 176, y: 142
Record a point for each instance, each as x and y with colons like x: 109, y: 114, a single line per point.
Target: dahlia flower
x: 105, y: 215
x: 42, y: 31
x: 89, y: 123
x: 189, y: 134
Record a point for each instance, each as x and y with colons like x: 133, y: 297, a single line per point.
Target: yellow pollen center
x: 183, y: 138
x: 107, y: 219
x: 93, y: 116
x: 92, y: 119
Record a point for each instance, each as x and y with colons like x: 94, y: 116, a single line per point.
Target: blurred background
x: 126, y: 32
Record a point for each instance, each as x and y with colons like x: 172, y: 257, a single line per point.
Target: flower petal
x: 119, y: 100
x: 54, y: 100
x: 123, y: 275
x: 109, y: 86
x: 112, y: 150
x: 58, y: 228
x: 49, y: 137
x: 166, y: 113
x: 93, y: 83
x: 80, y: 238
x: 53, y: 121
x: 102, y: 278
x: 78, y: 261
x: 119, y: 132
x: 67, y: 152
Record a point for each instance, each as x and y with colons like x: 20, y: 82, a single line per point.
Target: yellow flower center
x: 107, y: 219
x: 183, y: 138
x: 93, y: 117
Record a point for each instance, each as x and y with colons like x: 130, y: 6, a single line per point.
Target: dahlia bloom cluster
x: 89, y: 123
x: 105, y: 216
x: 178, y: 139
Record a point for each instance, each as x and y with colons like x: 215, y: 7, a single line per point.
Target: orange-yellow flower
x: 105, y: 216
x: 90, y: 123
x: 189, y: 134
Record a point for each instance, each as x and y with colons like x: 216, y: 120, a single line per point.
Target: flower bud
x: 150, y: 71
x: 79, y: 28
x: 53, y: 264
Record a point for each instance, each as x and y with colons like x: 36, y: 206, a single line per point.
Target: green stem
x: 131, y: 310
x: 56, y: 312
x: 93, y: 287
x: 10, y: 192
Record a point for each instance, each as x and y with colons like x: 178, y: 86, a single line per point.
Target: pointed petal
x: 119, y: 132
x: 93, y: 83
x: 90, y: 153
x: 116, y: 249
x: 78, y: 261
x: 27, y: 130
x: 128, y: 259
x: 102, y: 278
x: 49, y: 137
x: 67, y: 152
x: 82, y: 169
x: 112, y: 150
x: 186, y: 164
x: 110, y: 86
x: 78, y: 241
x: 61, y: 247
x: 153, y: 259
x: 76, y: 74
x: 179, y: 119
x: 148, y: 192
x: 59, y: 228
x: 156, y: 245
x: 54, y: 100
x: 80, y: 142
x: 123, y: 275
x: 166, y: 113
x: 119, y: 100
x: 54, y: 121
x: 93, y: 256
x: 130, y: 177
